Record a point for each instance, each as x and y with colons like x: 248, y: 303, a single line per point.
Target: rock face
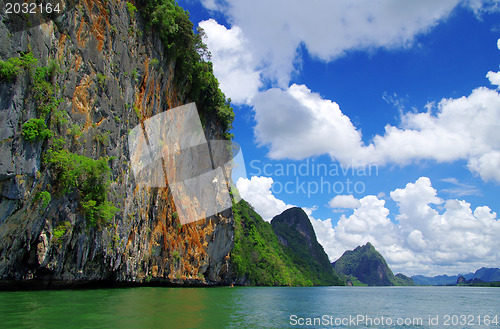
x: 369, y: 267
x: 111, y: 76
x: 296, y: 234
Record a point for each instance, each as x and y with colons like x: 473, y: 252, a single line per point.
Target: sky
x: 381, y: 119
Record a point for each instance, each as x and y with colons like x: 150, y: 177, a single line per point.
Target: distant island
x: 482, y: 277
x: 366, y: 266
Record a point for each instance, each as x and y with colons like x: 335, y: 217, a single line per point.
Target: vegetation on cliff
x: 297, y: 236
x: 71, y: 171
x: 193, y: 72
x: 89, y: 177
x: 257, y: 257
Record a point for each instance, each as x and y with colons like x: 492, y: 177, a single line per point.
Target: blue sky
x: 387, y: 90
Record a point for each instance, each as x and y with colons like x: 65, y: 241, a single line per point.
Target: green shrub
x: 98, y: 213
x: 52, y: 69
x: 44, y: 91
x: 154, y: 62
x: 101, y: 79
x: 90, y: 177
x: 46, y: 197
x: 75, y: 130
x: 60, y: 230
x: 35, y: 130
x: 134, y: 75
x: 102, y: 138
x: 28, y: 61
x: 11, y: 68
x: 131, y: 9
x: 138, y: 112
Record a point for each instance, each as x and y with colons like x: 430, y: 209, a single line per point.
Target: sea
x: 253, y: 307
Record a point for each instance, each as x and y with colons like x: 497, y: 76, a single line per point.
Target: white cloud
x: 460, y: 189
x: 494, y: 78
x: 257, y: 192
x: 368, y: 223
x: 344, y: 201
x: 481, y: 7
x: 457, y: 239
x: 276, y: 29
x: 233, y: 64
x: 210, y: 4
x: 297, y: 123
x: 487, y: 166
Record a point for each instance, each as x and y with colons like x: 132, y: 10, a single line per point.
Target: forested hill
x: 296, y: 234
x: 260, y: 256
x: 366, y: 266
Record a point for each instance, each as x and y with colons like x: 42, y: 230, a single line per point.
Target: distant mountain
x: 488, y: 274
x: 296, y: 234
x: 366, y: 265
x: 483, y: 274
x: 439, y: 280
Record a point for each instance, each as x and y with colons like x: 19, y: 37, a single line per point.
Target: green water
x: 253, y: 307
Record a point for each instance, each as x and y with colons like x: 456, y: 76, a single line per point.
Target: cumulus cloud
x: 297, y: 123
x: 257, y: 192
x: 420, y: 240
x: 494, y: 78
x: 344, y: 201
x: 233, y: 64
x: 487, y: 166
x: 276, y: 29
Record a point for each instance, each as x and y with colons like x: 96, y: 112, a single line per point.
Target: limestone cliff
x: 100, y: 73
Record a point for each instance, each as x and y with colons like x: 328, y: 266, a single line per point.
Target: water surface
x: 253, y: 307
